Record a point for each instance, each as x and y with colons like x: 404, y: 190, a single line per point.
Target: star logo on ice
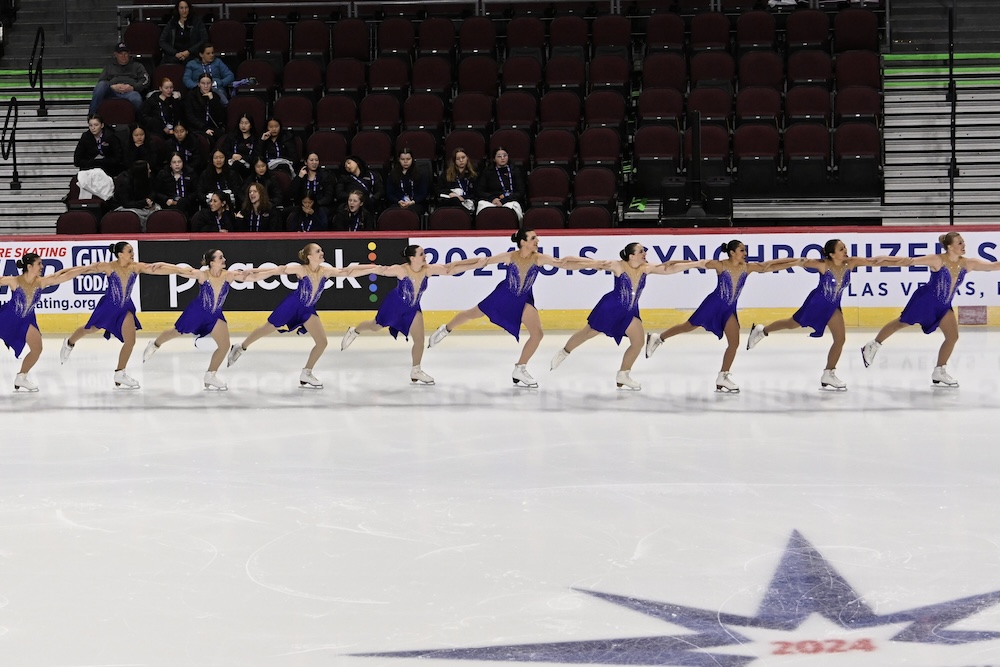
x: 805, y: 592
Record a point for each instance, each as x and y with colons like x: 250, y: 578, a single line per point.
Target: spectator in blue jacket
x: 222, y: 76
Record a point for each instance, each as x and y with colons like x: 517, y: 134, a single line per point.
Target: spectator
x: 457, y: 183
x: 218, y: 178
x: 159, y: 113
x: 216, y: 218
x: 123, y: 78
x: 261, y: 175
x: 257, y: 214
x: 277, y: 146
x: 138, y: 148
x: 241, y: 146
x: 183, y: 36
x: 407, y: 185
x: 134, y: 191
x: 204, y: 111
x: 221, y: 76
x: 307, y: 217
x: 173, y: 188
x: 352, y: 216
x: 187, y: 145
x: 357, y: 176
x: 502, y: 185
x: 314, y: 180
x: 98, y: 148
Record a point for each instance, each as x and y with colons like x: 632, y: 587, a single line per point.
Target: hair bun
x: 623, y: 254
x: 111, y: 247
x: 19, y: 264
x: 513, y: 237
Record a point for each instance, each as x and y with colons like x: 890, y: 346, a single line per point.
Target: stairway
x: 921, y: 26
x: 918, y: 139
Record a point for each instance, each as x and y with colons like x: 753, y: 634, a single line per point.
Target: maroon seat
x: 526, y: 37
x: 166, y: 221
x: 350, y: 40
x: 263, y: 72
x: 302, y: 77
x: 271, y: 42
x: 424, y: 111
x: 477, y: 36
x: 810, y: 68
x: 659, y: 106
x: 472, y: 111
x: 121, y: 223
x: 143, y: 41
x: 556, y: 147
x: 604, y: 108
x: 544, y: 217
x: 548, y: 186
x: 657, y: 155
x: 398, y: 220
x: 755, y: 30
x: 664, y: 32
x: 589, y: 217
x: 855, y: 28
x: 762, y: 68
x: 478, y: 74
x: 560, y: 109
x: 857, y: 103
x: 566, y: 73
x: 396, y: 38
x: 858, y: 68
x: 665, y: 70
x: 374, y: 147
x: 710, y: 31
x: 756, y: 155
x: 568, y: 36
x: 229, y: 38
x: 338, y: 113
x: 517, y: 110
x: 611, y: 35
x: 379, y: 111
x: 496, y: 217
x: 714, y: 104
x: 807, y: 104
x: 347, y: 76
x: 311, y: 41
x: 595, y: 186
x: 436, y: 37
x: 76, y: 222
x: 600, y: 146
x: 330, y: 146
x: 432, y: 74
x: 523, y: 73
x: 758, y: 104
x: 807, y: 29
x: 452, y: 218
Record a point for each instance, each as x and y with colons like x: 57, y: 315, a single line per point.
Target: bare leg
x: 836, y: 327
x: 889, y: 329
x: 636, y: 339
x: 166, y: 337
x: 417, y: 335
x: 786, y: 324
x: 463, y: 317
x: 530, y: 319
x: 368, y: 325
x: 315, y: 328
x: 732, y: 332
x: 579, y: 338
x: 265, y: 329
x: 128, y: 334
x: 220, y: 334
x: 681, y: 328
x: 34, y: 339
x: 949, y: 327
x: 75, y: 337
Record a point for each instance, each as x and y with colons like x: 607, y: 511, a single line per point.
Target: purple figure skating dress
x: 932, y: 301
x: 116, y: 304
x: 505, y: 304
x: 204, y: 311
x: 615, y: 311
x: 822, y: 302
x: 16, y: 317
x: 400, y: 306
x: 720, y: 305
x: 298, y: 306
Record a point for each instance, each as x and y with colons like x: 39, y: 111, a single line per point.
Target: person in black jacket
x: 456, y: 185
x: 353, y: 216
x: 216, y: 218
x: 261, y: 175
x: 407, y: 185
x: 183, y: 35
x: 307, y: 217
x: 315, y: 181
x: 241, y: 146
x: 357, y: 176
x: 189, y: 147
x: 218, y: 178
x: 98, y: 148
x: 138, y: 148
x: 257, y: 214
x: 204, y: 111
x: 173, y: 188
x: 134, y: 191
x: 502, y: 185
x: 278, y: 147
x: 160, y: 112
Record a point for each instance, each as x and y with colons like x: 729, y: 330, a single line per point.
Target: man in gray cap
x: 123, y: 77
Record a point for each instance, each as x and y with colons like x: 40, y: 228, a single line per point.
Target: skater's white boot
x: 653, y: 341
x: 65, y: 351
x: 349, y: 337
x: 831, y: 381
x: 439, y: 335
x: 308, y: 381
x: 869, y: 351
x: 21, y: 381
x: 150, y: 350
x: 558, y: 359
x: 940, y: 378
x: 623, y: 379
x: 123, y: 381
x: 757, y: 334
x: 417, y: 375
x: 724, y: 383
x: 213, y: 382
x: 521, y: 375
x: 235, y: 352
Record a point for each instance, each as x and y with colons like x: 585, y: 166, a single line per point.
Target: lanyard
x: 100, y: 143
x: 179, y: 187
x: 510, y: 177
x: 303, y: 226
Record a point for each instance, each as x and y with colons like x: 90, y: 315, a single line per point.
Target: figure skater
x: 400, y: 310
x: 115, y: 312
x: 821, y: 308
x: 717, y: 313
x: 297, y: 312
x: 203, y: 316
x: 512, y: 303
x: 930, y: 305
x: 617, y: 313
x: 18, y: 325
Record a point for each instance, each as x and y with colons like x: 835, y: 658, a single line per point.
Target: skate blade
x: 627, y: 388
x: 944, y: 385
x: 306, y: 385
x: 830, y: 387
x: 421, y: 383
x: 725, y: 390
x: 209, y: 387
x: 125, y: 387
x: 27, y: 389
x: 525, y: 384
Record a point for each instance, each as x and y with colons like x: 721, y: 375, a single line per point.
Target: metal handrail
x: 8, y: 147
x: 953, y: 100
x: 35, y: 72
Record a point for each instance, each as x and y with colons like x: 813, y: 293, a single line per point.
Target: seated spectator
x: 123, y: 78
x: 160, y: 112
x: 189, y: 147
x: 98, y: 148
x: 357, y: 176
x: 216, y: 218
x: 257, y: 214
x: 261, y: 175
x: 277, y: 146
x: 407, y: 186
x: 457, y: 183
x: 352, y: 216
x: 219, y: 75
x: 183, y: 36
x: 502, y: 185
x: 134, y: 191
x: 241, y: 146
x: 218, y: 178
x: 172, y: 188
x: 204, y: 111
x: 138, y: 148
x: 307, y: 217
x: 315, y: 181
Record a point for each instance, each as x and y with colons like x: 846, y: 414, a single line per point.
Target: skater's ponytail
x: 521, y: 235
x: 27, y: 259
x: 830, y: 247
x: 410, y: 251
x: 209, y: 256
x: 730, y: 248
x: 629, y: 250
x: 947, y: 239
x: 118, y: 248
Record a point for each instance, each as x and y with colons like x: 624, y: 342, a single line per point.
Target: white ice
x: 273, y: 525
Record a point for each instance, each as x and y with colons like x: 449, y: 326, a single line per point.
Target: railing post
x: 953, y: 99
x: 67, y: 38
x: 35, y: 72
x: 8, y: 147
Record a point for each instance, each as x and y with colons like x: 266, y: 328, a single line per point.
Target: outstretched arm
x: 973, y: 264
x: 458, y: 266
x: 354, y: 270
x: 165, y: 269
x: 253, y: 275
x: 774, y: 265
x: 59, y: 276
x: 676, y: 266
x: 573, y: 263
x: 879, y: 260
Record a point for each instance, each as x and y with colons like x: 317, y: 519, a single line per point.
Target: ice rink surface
x: 377, y: 523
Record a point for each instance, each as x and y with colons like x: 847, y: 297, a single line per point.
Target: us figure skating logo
x: 810, y: 616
